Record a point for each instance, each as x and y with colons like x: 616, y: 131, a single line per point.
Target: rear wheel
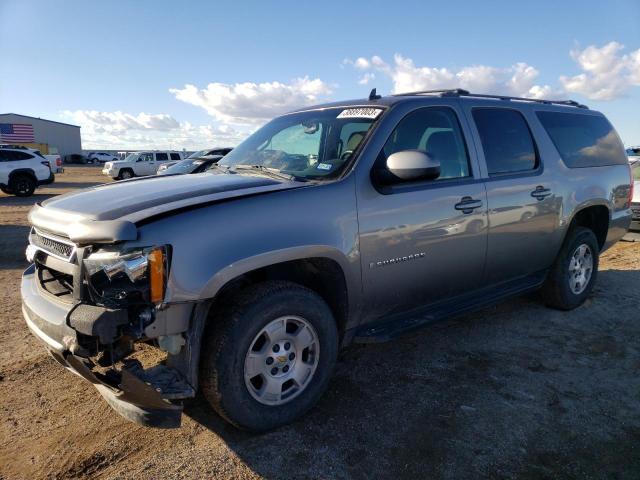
x: 268, y: 358
x: 22, y: 185
x: 574, y: 272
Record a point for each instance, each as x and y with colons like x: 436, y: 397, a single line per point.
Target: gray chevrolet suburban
x: 354, y: 221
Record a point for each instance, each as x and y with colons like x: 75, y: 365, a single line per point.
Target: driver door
x: 423, y: 241
x: 146, y: 164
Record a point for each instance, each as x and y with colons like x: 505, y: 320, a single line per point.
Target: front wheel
x: 269, y: 357
x: 574, y: 272
x: 125, y: 174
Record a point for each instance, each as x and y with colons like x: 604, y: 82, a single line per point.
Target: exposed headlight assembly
x: 128, y: 277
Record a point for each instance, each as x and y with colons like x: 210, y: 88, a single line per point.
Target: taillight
x: 58, y: 162
x: 631, y: 183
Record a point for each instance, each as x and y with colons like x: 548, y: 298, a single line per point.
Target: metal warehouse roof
x: 41, y: 119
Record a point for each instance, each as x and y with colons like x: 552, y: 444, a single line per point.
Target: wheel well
x: 322, y: 275
x: 595, y: 218
x: 25, y: 172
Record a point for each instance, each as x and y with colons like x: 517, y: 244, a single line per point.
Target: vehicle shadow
x: 13, y: 201
x: 13, y: 242
x: 513, y: 390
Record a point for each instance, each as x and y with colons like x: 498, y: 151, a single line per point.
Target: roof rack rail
x: 459, y: 92
x: 446, y: 92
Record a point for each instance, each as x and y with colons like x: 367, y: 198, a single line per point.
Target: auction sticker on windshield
x: 360, y: 113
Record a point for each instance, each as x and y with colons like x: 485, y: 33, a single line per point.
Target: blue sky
x: 159, y: 73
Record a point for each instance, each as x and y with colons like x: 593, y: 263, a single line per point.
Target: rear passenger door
x: 161, y: 157
x: 523, y: 208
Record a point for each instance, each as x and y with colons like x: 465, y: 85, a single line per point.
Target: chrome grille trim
x: 53, y: 245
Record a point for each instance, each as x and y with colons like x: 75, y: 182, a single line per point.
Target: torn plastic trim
x: 131, y: 397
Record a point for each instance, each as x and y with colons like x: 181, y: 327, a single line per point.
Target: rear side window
x: 583, y: 140
x: 175, y: 156
x: 506, y: 140
x: 161, y: 157
x: 12, y: 156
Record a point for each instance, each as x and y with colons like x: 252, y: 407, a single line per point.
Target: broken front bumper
x: 125, y: 392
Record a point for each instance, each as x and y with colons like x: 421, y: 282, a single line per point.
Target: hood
x: 108, y: 213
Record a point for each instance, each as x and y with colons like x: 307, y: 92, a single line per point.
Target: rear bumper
x: 48, y: 181
x: 635, y: 218
x: 618, y: 227
x: 132, y: 398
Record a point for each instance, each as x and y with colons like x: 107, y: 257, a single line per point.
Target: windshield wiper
x: 274, y: 172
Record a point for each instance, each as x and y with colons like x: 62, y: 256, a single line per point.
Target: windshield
x: 184, y: 166
x: 132, y: 157
x: 309, y: 145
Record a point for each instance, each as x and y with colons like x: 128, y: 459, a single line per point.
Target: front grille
x: 52, y: 246
x: 56, y: 283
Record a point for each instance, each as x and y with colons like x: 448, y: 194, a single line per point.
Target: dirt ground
x: 514, y: 391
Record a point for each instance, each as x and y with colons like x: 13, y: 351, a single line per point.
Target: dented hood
x: 109, y: 213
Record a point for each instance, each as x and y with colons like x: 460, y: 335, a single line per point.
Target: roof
x: 41, y: 119
x: 388, y: 101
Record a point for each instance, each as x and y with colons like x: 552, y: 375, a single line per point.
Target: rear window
x: 583, y: 140
x: 506, y: 140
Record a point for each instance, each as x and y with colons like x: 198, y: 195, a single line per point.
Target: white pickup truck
x: 55, y: 162
x: 139, y: 164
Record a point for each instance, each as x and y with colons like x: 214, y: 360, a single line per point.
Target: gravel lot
x: 514, y: 391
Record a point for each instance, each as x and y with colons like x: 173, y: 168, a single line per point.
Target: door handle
x: 540, y: 192
x: 468, y: 204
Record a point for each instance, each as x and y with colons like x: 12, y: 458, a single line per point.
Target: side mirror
x: 410, y: 165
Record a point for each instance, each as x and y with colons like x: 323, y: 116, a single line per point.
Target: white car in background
x: 22, y: 170
x: 635, y: 201
x: 102, y: 157
x: 139, y: 164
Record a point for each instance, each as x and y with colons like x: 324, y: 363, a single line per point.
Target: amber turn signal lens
x: 156, y: 274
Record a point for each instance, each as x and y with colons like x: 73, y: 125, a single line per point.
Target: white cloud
x: 607, y: 73
x: 128, y: 131
x: 518, y: 80
x: 366, y: 78
x: 361, y: 63
x: 250, y: 103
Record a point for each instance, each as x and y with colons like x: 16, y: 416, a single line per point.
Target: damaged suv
x: 353, y: 221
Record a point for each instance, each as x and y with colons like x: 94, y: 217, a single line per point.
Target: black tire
x: 22, y: 185
x: 229, y: 337
x: 125, y: 174
x: 556, y: 291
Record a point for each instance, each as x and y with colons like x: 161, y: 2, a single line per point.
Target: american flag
x: 16, y: 132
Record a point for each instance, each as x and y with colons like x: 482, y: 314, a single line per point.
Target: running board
x: 400, y: 324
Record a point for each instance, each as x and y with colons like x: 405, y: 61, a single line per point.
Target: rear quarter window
x: 162, y: 157
x: 175, y: 156
x: 583, y: 140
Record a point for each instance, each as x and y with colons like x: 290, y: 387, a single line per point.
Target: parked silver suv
x: 352, y: 221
